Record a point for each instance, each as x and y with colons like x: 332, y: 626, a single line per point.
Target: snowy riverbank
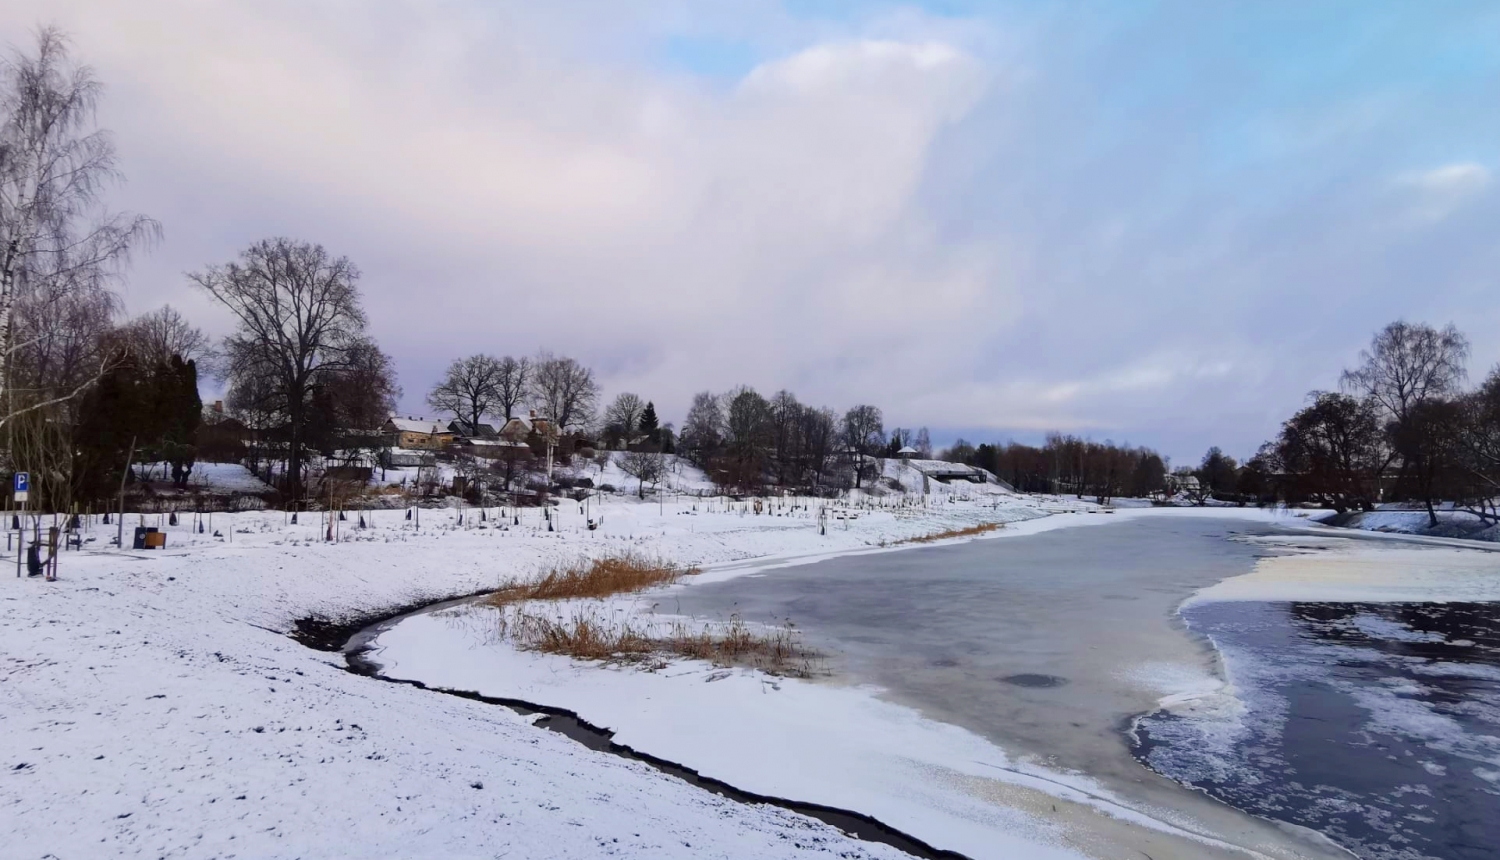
x: 151, y: 704
x: 833, y: 744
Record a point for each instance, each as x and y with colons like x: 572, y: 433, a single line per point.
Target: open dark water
x: 1376, y: 724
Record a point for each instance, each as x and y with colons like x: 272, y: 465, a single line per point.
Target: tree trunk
x: 7, y: 307
x: 294, y: 447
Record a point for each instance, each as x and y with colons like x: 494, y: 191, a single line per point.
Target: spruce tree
x: 649, y: 425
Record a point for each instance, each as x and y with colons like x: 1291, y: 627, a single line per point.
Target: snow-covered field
x: 151, y: 704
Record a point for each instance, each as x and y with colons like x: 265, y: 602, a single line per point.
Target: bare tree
x: 819, y: 431
x: 924, y: 444
x: 748, y: 433
x: 1478, y: 449
x: 703, y: 431
x: 1333, y: 452
x: 160, y: 334
x: 54, y: 166
x: 362, y: 390
x: 469, y: 390
x: 864, y: 433
x: 299, y: 316
x: 1408, y: 363
x: 564, y: 390
x: 644, y: 466
x: 623, y: 416
x: 511, y: 385
x: 70, y: 339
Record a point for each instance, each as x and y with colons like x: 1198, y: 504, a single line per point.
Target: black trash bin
x: 34, y: 560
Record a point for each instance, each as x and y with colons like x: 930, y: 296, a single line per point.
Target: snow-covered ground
x: 1405, y: 520
x: 151, y: 704
x: 226, y: 478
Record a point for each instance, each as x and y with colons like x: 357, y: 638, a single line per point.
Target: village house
x: 418, y: 433
x: 462, y: 429
x: 529, y: 430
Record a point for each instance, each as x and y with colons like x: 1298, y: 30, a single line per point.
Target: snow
x: 226, y: 478
x: 1319, y: 567
x: 818, y: 743
x: 151, y: 703
x: 1399, y: 520
x: 417, y: 425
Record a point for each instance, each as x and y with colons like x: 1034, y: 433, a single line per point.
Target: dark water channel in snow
x: 1377, y: 724
x: 1053, y: 644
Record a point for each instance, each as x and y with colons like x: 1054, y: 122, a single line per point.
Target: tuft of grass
x: 597, y: 577
x: 591, y: 631
x: 971, y: 531
x: 588, y: 634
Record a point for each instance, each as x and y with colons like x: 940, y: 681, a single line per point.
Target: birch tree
x: 54, y: 167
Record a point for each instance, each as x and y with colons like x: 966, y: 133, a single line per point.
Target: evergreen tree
x: 649, y: 426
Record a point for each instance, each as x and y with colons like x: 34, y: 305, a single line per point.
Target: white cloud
x: 865, y: 217
x: 1442, y: 190
x: 502, y: 196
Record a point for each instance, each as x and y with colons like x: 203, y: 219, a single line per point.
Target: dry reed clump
x: 971, y: 531
x: 588, y: 634
x: 598, y: 577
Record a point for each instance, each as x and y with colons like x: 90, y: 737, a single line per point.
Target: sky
x: 1160, y: 223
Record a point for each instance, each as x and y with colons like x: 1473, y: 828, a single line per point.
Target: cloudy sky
x: 1155, y: 222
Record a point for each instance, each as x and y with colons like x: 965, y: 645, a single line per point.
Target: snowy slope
x: 1455, y: 524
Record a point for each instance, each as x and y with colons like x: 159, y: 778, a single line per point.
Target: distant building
x: 463, y: 429
x: 418, y: 433
x: 494, y: 449
x: 1183, y: 484
x: 399, y: 459
x: 531, y: 430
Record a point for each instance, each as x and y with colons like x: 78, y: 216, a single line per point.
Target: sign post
x: 22, y: 489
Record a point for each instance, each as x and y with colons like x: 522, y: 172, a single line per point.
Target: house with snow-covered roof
x: 419, y: 433
x: 520, y: 429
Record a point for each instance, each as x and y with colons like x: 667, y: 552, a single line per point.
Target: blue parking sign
x: 23, y: 482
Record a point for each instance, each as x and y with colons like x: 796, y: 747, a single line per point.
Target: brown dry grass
x: 971, y: 531
x: 589, y: 632
x: 597, y: 577
x: 590, y: 635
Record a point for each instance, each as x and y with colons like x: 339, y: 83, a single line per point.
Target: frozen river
x: 1048, y: 644
x: 1373, y: 724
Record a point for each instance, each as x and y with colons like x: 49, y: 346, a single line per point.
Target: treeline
x: 746, y: 442
x: 1069, y: 464
x: 1403, y: 427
